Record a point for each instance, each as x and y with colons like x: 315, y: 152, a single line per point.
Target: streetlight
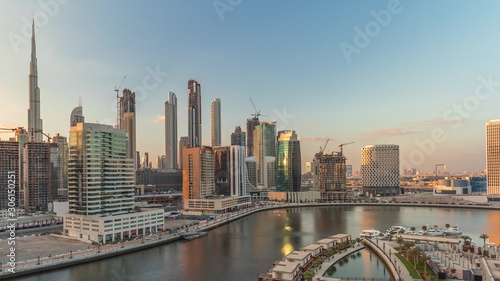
x: 70, y: 254
x: 38, y: 262
x: 98, y: 248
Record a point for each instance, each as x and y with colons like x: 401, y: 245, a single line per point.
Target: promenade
x: 338, y: 256
x: 386, y: 253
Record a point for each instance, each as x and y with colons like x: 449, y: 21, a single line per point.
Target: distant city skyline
x: 442, y: 76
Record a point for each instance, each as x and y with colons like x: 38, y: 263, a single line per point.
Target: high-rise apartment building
x: 380, y: 169
x: 35, y: 124
x: 238, y: 137
x: 264, y: 137
x: 251, y: 124
x: 198, y: 172
x: 101, y: 187
x: 288, y: 162
x: 127, y: 121
x: 229, y: 170
x: 171, y: 131
x: 183, y: 142
x: 194, y: 113
x: 100, y: 174
x: 493, y: 156
x: 59, y: 167
x: 216, y: 122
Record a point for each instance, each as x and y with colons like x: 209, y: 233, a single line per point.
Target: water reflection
x: 363, y: 264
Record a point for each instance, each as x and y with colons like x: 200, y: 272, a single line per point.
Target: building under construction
x: 37, y: 176
x: 329, y: 174
x: 9, y: 162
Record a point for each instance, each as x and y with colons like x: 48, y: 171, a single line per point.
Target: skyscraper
x: 194, y: 113
x: 59, y: 166
x: 264, y: 138
x: 251, y: 124
x: 238, y: 137
x: 380, y: 169
x: 171, y: 131
x: 493, y: 156
x: 329, y: 172
x: 216, y: 122
x: 101, y: 187
x: 100, y: 174
x: 9, y: 166
x: 288, y: 162
x: 221, y: 170
x: 198, y: 173
x: 35, y: 125
x: 237, y: 171
x: 127, y: 121
x: 183, y: 142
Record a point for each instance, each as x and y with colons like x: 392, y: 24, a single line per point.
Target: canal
x: 245, y: 248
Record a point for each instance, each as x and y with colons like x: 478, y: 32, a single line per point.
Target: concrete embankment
x: 386, y: 253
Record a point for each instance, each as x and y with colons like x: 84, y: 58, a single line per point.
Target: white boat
x: 369, y: 233
x: 434, y: 232
x: 396, y: 229
x: 453, y: 231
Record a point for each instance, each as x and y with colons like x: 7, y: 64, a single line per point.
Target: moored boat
x: 453, y: 231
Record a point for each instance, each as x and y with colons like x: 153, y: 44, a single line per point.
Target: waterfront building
x: 199, y: 179
x: 171, y: 131
x: 264, y: 138
x: 127, y: 121
x: 251, y: 170
x: 198, y: 172
x: 288, y: 162
x: 251, y: 124
x: 101, y: 187
x: 329, y: 176
x: 493, y: 156
x: 238, y: 137
x: 163, y: 181
x: 222, y: 170
x: 35, y: 123
x: 194, y: 113
x: 452, y: 186
x: 183, y: 142
x: 380, y: 170
x: 216, y: 122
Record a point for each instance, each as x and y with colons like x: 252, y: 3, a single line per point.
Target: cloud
x: 159, y: 118
x: 432, y: 122
x: 388, y: 132
x: 314, y: 138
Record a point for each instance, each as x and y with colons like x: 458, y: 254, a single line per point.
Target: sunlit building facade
x: 380, y: 170
x: 493, y: 156
x: 288, y: 162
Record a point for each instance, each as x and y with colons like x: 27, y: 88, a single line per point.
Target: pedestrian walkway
x: 386, y: 252
x: 338, y: 256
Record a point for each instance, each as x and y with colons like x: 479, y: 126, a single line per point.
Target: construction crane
x: 321, y: 150
x: 257, y: 112
x: 342, y: 146
x: 117, y: 90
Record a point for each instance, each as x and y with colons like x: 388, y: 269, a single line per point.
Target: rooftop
x: 285, y: 267
x: 312, y: 247
x: 297, y: 255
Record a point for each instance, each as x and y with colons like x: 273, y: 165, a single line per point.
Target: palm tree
x: 466, y: 239
x: 358, y: 240
x: 412, y: 228
x: 309, y: 275
x: 424, y: 227
x: 415, y: 253
x: 447, y: 225
x: 400, y: 241
x: 484, y: 236
x: 425, y: 258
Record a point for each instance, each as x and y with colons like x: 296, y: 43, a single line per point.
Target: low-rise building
x: 110, y: 229
x: 327, y: 243
x: 303, y: 258
x: 341, y: 238
x: 217, y: 205
x: 314, y: 249
x: 286, y: 271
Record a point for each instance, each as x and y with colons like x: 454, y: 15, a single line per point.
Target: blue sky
x: 418, y: 67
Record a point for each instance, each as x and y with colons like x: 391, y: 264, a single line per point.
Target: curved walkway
x: 338, y: 256
x: 386, y: 252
